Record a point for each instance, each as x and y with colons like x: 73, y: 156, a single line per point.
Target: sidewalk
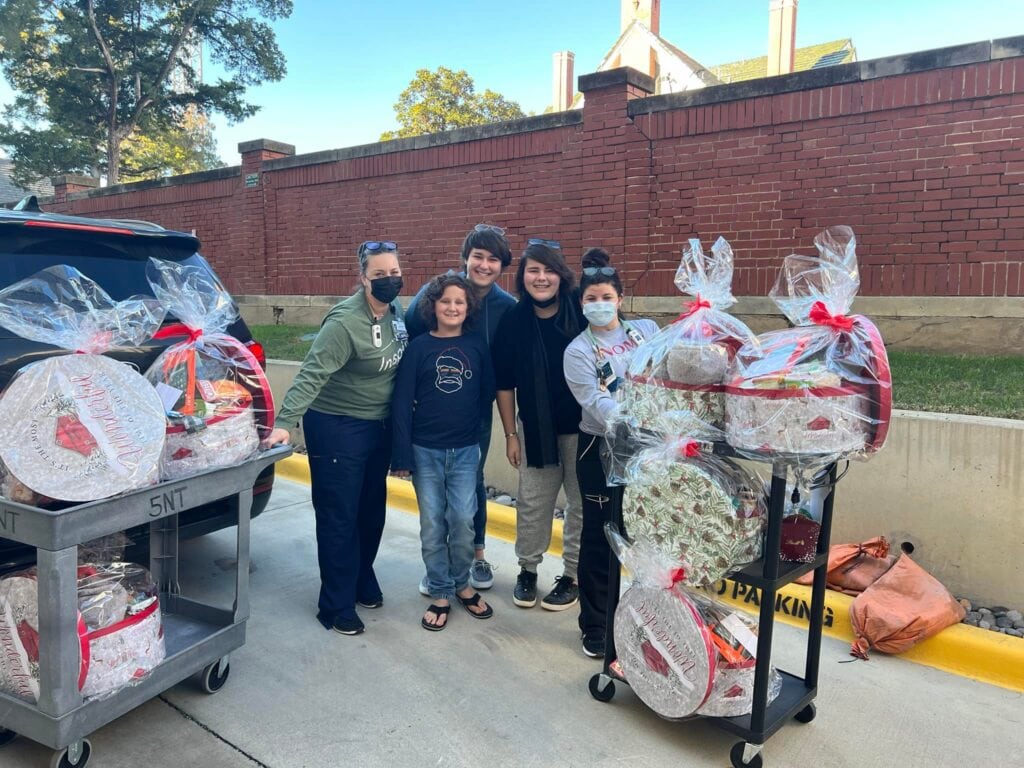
x: 506, y: 692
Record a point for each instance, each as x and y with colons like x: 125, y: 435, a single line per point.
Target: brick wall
x: 920, y: 154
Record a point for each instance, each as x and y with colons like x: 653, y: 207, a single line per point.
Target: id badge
x: 606, y: 377
x: 401, y: 334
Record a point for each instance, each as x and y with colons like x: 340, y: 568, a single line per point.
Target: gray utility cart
x: 198, y: 636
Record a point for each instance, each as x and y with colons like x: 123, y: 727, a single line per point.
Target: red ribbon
x: 675, y: 576
x: 179, y: 329
x: 692, y: 307
x: 821, y: 316
x: 690, y: 449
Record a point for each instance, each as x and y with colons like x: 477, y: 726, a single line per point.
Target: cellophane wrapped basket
x: 216, y: 394
x: 119, y: 628
x: 703, y: 510
x: 78, y: 427
x: 684, y: 365
x: 821, y: 390
x: 681, y: 652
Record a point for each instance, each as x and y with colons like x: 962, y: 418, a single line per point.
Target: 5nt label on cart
x: 168, y: 503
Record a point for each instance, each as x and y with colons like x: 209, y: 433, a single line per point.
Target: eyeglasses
x: 377, y: 246
x: 595, y: 271
x: 549, y: 243
x: 489, y: 228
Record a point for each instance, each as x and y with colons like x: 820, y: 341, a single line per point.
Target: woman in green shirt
x: 342, y: 393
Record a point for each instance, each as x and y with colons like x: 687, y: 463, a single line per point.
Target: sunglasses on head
x: 377, y: 246
x: 489, y: 228
x: 595, y: 271
x: 553, y: 244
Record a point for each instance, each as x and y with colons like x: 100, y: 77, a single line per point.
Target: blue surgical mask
x: 600, y: 313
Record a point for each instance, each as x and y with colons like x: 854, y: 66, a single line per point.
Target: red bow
x: 675, y: 576
x: 692, y: 307
x: 179, y: 329
x: 821, y: 316
x: 690, y: 449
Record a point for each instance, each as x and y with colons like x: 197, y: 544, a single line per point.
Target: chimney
x: 647, y: 12
x: 781, y: 36
x: 563, y: 84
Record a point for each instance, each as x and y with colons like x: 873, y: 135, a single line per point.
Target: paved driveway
x: 507, y: 692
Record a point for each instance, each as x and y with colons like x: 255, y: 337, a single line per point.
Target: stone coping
x: 918, y: 61
x: 168, y: 181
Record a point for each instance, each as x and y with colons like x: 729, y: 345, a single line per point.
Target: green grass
x: 284, y: 342
x: 970, y: 384
x: 922, y: 381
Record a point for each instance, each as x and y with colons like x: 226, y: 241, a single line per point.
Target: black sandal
x: 438, y: 611
x: 470, y: 602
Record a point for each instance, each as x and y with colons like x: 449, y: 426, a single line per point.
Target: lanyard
x: 606, y: 379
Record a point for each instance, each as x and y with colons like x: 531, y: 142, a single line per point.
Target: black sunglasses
x: 554, y: 244
x: 378, y: 246
x: 595, y: 271
x: 489, y: 228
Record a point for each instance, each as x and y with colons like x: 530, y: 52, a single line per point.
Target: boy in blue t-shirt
x: 444, y: 386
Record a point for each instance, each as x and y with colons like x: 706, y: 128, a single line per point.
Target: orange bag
x: 904, y: 607
x: 842, y: 555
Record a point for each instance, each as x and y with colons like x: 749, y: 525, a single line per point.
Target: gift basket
x: 823, y: 388
x: 120, y: 632
x: 703, y: 510
x: 681, y: 652
x: 215, y: 392
x: 78, y: 427
x: 683, y: 367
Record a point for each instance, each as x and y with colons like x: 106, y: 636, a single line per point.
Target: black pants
x: 601, y: 503
x: 348, y: 467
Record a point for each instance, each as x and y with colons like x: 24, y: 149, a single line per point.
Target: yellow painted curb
x: 962, y: 650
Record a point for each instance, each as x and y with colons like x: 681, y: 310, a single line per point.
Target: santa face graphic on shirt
x: 452, y: 369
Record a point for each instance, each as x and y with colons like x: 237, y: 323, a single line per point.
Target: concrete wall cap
x: 267, y: 145
x: 618, y: 76
x: 70, y: 179
x: 1008, y: 47
x: 475, y: 133
x: 871, y: 69
x: 167, y: 181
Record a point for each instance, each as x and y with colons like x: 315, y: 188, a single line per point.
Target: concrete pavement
x: 506, y: 692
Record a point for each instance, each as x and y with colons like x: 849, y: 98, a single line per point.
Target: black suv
x: 114, y: 254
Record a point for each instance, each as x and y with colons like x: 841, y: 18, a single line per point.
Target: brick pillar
x: 253, y: 273
x: 68, y: 184
x: 615, y: 180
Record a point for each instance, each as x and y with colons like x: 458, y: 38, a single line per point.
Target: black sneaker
x: 525, y: 593
x: 565, y: 595
x: 349, y: 626
x: 593, y: 645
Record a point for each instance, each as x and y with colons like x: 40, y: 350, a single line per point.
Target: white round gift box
x: 81, y: 428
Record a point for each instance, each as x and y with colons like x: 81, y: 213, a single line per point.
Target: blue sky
x: 348, y: 61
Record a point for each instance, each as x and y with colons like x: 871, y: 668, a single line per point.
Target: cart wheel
x: 214, y: 677
x: 63, y: 760
x: 806, y: 714
x: 6, y: 737
x: 736, y: 756
x: 599, y: 693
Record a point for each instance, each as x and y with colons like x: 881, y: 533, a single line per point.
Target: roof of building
x: 704, y: 74
x: 11, y: 192
x: 810, y: 57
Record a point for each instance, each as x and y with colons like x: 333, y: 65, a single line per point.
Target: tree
x: 90, y: 74
x: 187, y: 148
x: 443, y: 100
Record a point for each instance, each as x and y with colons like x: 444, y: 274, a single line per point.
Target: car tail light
x: 258, y: 352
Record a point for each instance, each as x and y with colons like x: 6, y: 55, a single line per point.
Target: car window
x: 118, y: 264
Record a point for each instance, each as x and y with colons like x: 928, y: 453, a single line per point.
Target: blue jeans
x: 348, y: 467
x: 480, y: 518
x: 445, y: 483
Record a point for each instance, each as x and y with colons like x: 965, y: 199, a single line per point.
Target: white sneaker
x: 424, y: 589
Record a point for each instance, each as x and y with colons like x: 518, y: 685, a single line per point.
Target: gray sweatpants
x: 535, y: 507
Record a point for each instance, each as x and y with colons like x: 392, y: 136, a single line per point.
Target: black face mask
x: 386, y: 289
x: 546, y: 303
